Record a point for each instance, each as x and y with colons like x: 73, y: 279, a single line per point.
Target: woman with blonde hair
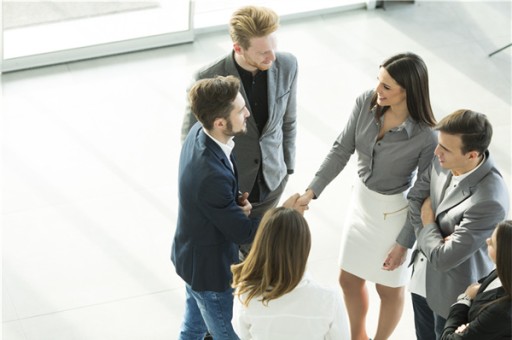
x: 275, y: 297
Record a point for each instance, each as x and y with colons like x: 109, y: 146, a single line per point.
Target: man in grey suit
x: 266, y: 153
x: 453, y: 208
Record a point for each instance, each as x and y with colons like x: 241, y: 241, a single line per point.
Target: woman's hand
x: 396, y: 257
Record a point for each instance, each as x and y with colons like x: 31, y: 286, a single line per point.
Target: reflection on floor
x: 90, y: 152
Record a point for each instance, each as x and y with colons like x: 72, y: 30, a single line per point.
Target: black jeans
x: 428, y: 325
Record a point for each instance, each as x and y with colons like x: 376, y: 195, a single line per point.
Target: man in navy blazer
x: 266, y: 153
x: 454, y: 207
x: 213, y: 217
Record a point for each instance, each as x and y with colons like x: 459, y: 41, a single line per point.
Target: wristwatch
x: 464, y: 297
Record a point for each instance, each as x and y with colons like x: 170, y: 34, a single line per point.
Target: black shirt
x: 256, y: 90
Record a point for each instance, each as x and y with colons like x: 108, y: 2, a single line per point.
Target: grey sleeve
x: 188, y: 118
x: 417, y: 195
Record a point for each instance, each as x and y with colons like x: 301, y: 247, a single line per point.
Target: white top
x: 309, y: 312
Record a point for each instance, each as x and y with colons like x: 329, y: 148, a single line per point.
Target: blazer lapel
x: 272, y: 79
x: 465, y: 187
x: 443, y: 178
x: 216, y: 150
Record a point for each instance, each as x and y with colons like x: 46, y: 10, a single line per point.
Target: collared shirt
x: 455, y: 180
x: 226, y: 148
x: 256, y: 88
x: 386, y: 166
x: 308, y: 312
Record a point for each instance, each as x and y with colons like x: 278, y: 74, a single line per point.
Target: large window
x: 37, y: 33
x: 43, y: 32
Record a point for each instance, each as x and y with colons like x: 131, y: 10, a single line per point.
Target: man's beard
x: 230, y: 132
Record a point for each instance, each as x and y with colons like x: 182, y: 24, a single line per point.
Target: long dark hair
x: 503, y: 260
x: 410, y: 72
x: 504, y: 255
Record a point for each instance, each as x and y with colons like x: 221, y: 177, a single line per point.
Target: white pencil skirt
x: 369, y: 233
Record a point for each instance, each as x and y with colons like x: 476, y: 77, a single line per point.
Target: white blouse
x: 309, y: 312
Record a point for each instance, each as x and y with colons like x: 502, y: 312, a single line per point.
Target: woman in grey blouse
x: 390, y: 128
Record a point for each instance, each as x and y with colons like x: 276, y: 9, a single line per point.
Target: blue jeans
x: 208, y: 312
x: 429, y: 325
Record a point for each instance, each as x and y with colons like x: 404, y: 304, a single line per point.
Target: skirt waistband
x: 363, y: 190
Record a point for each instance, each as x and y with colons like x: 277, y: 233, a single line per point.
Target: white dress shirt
x: 309, y: 312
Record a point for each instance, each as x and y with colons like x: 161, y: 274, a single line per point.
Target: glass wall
x: 37, y: 33
x: 44, y: 32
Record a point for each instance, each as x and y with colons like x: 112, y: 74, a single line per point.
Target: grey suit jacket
x: 276, y: 145
x: 469, y: 213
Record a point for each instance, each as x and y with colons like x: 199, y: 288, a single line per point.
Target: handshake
x: 295, y: 201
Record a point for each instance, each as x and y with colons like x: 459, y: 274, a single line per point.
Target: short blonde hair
x: 277, y: 260
x: 252, y: 22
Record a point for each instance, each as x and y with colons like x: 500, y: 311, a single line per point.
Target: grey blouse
x: 386, y: 166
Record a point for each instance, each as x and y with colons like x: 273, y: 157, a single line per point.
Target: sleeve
x: 416, y: 196
x: 469, y: 235
x: 491, y: 323
x: 339, y: 329
x: 188, y: 118
x: 218, y: 204
x: 341, y: 151
x: 290, y: 122
x: 427, y: 152
x: 240, y: 322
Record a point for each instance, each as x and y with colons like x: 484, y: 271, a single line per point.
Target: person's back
x: 274, y: 298
x: 308, y: 312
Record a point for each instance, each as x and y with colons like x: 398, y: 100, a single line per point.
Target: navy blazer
x: 210, y: 223
x: 494, y: 322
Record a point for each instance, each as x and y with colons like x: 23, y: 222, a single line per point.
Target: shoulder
x: 425, y: 131
x: 364, y: 100
x: 366, y: 96
x: 218, y: 67
x: 488, y: 178
x: 323, y: 294
x: 286, y: 60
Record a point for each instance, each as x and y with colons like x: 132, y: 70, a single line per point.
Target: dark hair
x: 410, y: 72
x: 213, y: 98
x: 503, y: 261
x: 474, y: 129
x: 277, y: 260
x: 504, y: 255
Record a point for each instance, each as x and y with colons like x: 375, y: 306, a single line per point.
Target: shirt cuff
x: 464, y: 300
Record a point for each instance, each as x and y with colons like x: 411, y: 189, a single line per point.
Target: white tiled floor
x: 89, y: 154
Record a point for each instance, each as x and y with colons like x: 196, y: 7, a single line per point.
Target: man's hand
x: 472, y: 290
x: 462, y: 328
x: 306, y: 198
x: 396, y: 257
x: 244, y: 203
x: 427, y: 213
x: 293, y: 203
